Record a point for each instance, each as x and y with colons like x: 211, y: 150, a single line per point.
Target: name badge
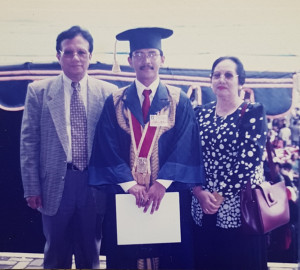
x: 158, y: 120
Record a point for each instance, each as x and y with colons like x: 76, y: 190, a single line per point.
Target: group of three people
x: 83, y: 140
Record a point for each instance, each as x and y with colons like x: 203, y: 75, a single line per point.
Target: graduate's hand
x: 34, y: 202
x: 140, y: 193
x: 154, y: 196
x: 207, y: 200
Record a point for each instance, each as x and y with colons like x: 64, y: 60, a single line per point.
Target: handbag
x: 264, y: 208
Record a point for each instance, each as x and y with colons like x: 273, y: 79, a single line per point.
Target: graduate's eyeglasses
x: 227, y: 75
x: 83, y: 54
x: 142, y: 55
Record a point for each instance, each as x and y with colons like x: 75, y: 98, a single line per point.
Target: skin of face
x: 76, y: 67
x: 223, y: 87
x: 146, y: 69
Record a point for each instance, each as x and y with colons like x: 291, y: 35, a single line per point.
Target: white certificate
x: 136, y: 227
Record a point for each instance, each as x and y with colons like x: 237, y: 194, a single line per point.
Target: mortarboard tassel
x: 116, y: 67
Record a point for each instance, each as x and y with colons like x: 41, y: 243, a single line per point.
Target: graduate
x: 147, y: 144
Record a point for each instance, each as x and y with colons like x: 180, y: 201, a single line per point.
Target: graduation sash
x: 143, y: 140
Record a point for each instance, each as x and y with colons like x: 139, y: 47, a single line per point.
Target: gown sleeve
x: 109, y: 162
x: 181, y: 160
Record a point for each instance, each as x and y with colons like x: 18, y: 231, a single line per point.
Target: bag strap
x: 270, y: 149
x: 245, y: 105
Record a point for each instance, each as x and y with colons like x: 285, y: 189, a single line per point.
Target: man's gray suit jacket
x: 44, y: 140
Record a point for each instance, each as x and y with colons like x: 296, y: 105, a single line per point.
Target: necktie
x: 146, y: 103
x: 78, y: 129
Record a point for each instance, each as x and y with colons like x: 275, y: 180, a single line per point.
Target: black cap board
x: 144, y: 38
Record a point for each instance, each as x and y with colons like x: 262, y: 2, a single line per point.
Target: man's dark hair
x: 73, y: 32
x: 239, y: 67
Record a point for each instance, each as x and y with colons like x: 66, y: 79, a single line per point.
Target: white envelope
x: 136, y: 227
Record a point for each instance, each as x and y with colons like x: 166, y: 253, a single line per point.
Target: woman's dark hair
x: 239, y: 67
x: 73, y: 32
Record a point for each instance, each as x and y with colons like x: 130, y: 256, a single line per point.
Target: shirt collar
x: 140, y: 88
x: 67, y: 83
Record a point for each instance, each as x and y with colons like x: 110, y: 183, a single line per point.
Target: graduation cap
x: 142, y: 38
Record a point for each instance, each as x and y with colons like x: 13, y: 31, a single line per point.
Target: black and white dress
x: 232, y: 153
x: 232, y: 150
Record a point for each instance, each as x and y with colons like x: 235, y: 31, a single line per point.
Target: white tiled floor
x: 29, y: 261
x: 35, y: 261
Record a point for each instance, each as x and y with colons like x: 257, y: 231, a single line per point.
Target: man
x: 57, y: 132
x: 170, y: 160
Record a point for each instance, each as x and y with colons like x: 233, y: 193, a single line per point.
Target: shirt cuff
x: 164, y: 182
x: 127, y: 185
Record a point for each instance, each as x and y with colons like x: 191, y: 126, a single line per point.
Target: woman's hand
x: 207, y: 200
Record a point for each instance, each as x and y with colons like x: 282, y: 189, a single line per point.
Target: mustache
x: 146, y: 66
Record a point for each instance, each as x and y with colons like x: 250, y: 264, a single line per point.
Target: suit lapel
x: 160, y: 100
x: 95, y: 101
x: 56, y: 105
x: 132, y: 101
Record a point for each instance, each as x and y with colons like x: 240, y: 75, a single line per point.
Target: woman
x: 232, y: 145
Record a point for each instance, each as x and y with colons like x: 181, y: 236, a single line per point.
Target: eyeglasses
x: 227, y: 75
x: 83, y: 54
x: 142, y: 55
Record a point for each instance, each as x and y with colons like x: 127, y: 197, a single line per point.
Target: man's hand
x: 140, y: 194
x: 154, y: 195
x: 34, y: 202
